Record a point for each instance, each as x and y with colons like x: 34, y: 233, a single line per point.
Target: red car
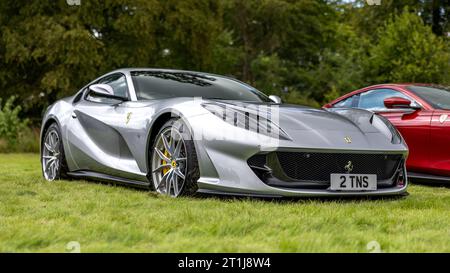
x: 421, y: 114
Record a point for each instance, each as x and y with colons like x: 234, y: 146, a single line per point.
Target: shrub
x: 11, y: 125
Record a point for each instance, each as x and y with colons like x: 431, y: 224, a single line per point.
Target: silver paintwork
x: 107, y: 139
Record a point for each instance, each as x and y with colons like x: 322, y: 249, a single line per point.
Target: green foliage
x: 268, y: 74
x: 408, y: 51
x: 189, y: 29
x: 342, y: 67
x: 10, y: 123
x: 331, y: 95
x: 225, y: 54
x: 306, y: 51
x: 301, y: 98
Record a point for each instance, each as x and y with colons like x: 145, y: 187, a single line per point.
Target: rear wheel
x: 52, y: 155
x: 174, y: 160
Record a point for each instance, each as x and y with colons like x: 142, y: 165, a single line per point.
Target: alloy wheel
x: 51, y: 155
x: 169, y: 163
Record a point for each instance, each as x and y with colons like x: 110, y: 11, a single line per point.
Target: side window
x: 79, y: 96
x: 374, y: 99
x: 345, y: 103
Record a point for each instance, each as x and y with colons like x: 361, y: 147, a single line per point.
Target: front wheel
x: 174, y: 160
x: 52, y: 155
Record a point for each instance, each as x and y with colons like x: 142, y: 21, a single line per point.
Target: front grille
x: 317, y: 167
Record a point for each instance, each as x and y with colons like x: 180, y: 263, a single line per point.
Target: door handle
x: 74, y: 115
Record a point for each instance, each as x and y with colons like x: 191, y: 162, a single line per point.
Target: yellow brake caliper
x: 165, y: 170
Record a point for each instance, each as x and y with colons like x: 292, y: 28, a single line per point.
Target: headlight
x: 253, y: 118
x: 386, y: 128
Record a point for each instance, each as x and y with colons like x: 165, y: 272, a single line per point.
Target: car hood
x: 287, y: 116
x: 327, y: 129
x: 303, y: 126
x: 292, y: 117
x: 300, y: 118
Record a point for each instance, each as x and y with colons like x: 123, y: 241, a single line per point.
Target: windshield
x: 162, y: 84
x: 438, y: 97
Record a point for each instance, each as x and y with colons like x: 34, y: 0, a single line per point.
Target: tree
x: 437, y: 14
x: 49, y: 49
x: 279, y: 42
x: 44, y: 50
x: 341, y: 68
x: 303, y: 50
x: 367, y: 18
x: 187, y: 34
x: 296, y: 31
x: 408, y: 51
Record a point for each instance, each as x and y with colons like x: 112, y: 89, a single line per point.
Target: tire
x: 53, y: 160
x: 165, y: 174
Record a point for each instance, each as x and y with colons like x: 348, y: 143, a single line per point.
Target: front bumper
x: 223, y: 160
x: 237, y: 177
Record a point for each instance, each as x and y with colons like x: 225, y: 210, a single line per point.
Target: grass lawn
x: 40, y: 216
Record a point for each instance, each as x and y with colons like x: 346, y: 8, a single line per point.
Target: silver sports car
x: 182, y: 132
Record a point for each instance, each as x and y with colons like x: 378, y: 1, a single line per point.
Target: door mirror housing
x: 275, y: 99
x: 101, y: 89
x: 400, y: 103
x: 104, y: 91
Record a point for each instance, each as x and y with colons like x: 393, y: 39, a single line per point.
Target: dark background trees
x: 307, y: 51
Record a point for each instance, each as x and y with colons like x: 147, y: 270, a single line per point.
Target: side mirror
x: 275, y: 99
x: 101, y: 89
x: 400, y: 103
x: 104, y: 91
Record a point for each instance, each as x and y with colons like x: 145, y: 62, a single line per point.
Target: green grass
x: 40, y: 216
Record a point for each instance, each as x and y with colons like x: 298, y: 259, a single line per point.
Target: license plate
x: 353, y: 182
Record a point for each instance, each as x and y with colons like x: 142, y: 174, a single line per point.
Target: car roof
x: 401, y: 85
x: 130, y: 69
x: 168, y: 70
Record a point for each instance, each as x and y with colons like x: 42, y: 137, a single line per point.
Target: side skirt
x: 233, y: 194
x: 108, y: 178
x: 429, y: 178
